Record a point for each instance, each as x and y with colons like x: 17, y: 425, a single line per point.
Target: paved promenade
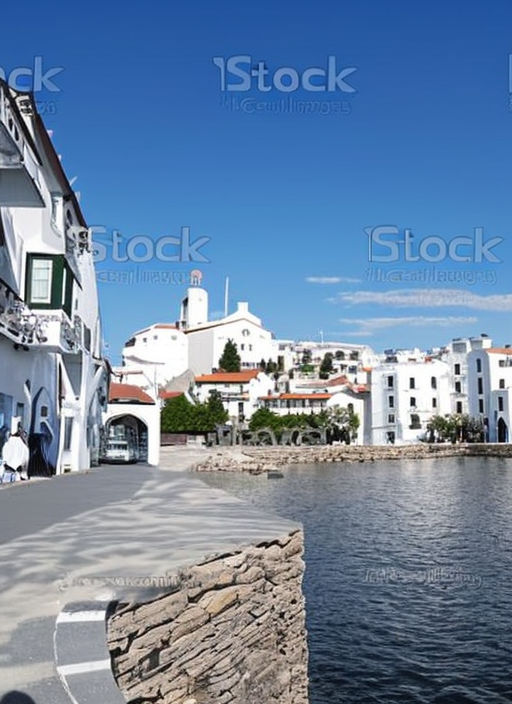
x: 113, y: 533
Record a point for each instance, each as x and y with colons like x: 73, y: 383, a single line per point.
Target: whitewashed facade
x: 155, y: 355
x: 133, y: 411
x: 349, y: 359
x: 344, y: 394
x: 455, y: 354
x: 207, y: 339
x: 489, y: 387
x: 239, y: 391
x: 53, y: 379
x: 405, y: 395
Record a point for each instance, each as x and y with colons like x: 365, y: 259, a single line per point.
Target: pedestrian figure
x: 15, y: 458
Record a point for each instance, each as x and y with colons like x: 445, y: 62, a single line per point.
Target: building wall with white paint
x: 489, y: 382
x: 48, y: 298
x: 159, y: 352
x: 207, y: 343
x: 405, y: 396
x: 239, y: 393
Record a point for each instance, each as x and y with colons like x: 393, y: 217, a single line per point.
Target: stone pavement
x: 113, y: 533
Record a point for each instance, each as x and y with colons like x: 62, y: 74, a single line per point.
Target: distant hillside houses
x: 395, y: 394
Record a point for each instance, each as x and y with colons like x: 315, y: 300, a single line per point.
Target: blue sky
x: 423, y: 143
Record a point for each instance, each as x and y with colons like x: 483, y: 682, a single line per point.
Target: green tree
x: 180, y: 416
x: 271, y: 367
x: 342, y: 423
x: 264, y: 418
x: 456, y: 427
x: 216, y: 408
x: 176, y: 415
x: 326, y: 367
x: 306, y: 357
x: 230, y: 359
x: 475, y: 430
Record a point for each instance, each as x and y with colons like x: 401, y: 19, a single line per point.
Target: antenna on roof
x: 226, y: 297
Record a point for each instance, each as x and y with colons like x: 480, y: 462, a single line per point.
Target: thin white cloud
x: 427, y: 298
x: 332, y: 280
x: 368, y: 326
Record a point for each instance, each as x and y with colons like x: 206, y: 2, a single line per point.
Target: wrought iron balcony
x: 38, y: 329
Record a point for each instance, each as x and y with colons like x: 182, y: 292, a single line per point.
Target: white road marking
x: 80, y: 616
x: 81, y: 668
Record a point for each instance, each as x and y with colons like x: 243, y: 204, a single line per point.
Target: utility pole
x: 226, y: 297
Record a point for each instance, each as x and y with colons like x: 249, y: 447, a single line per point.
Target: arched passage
x: 126, y: 439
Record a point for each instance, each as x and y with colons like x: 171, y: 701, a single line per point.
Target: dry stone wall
x: 261, y: 459
x: 233, y: 632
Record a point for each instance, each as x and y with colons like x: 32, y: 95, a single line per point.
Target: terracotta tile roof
x: 128, y: 393
x: 170, y: 394
x: 297, y: 397
x: 335, y: 381
x: 228, y: 377
x: 166, y: 326
x: 499, y: 350
x: 338, y: 381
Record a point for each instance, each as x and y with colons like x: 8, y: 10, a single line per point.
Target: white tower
x: 194, y: 308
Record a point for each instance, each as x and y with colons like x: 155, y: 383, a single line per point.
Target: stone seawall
x: 261, y: 459
x: 233, y: 632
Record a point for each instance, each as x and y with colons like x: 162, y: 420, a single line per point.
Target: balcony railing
x: 50, y: 330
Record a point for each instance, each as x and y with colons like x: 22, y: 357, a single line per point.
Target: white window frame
x: 48, y: 297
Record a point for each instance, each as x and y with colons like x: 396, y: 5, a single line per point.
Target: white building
x: 207, y: 339
x: 284, y: 404
x: 239, y: 391
x: 155, y: 355
x: 344, y: 393
x: 405, y: 395
x: 284, y: 352
x: 136, y: 414
x: 348, y: 359
x: 53, y: 379
x: 489, y: 385
x: 455, y: 354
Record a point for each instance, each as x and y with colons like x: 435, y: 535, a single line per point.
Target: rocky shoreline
x: 257, y: 460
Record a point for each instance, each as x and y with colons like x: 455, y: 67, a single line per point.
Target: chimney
x: 242, y: 307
